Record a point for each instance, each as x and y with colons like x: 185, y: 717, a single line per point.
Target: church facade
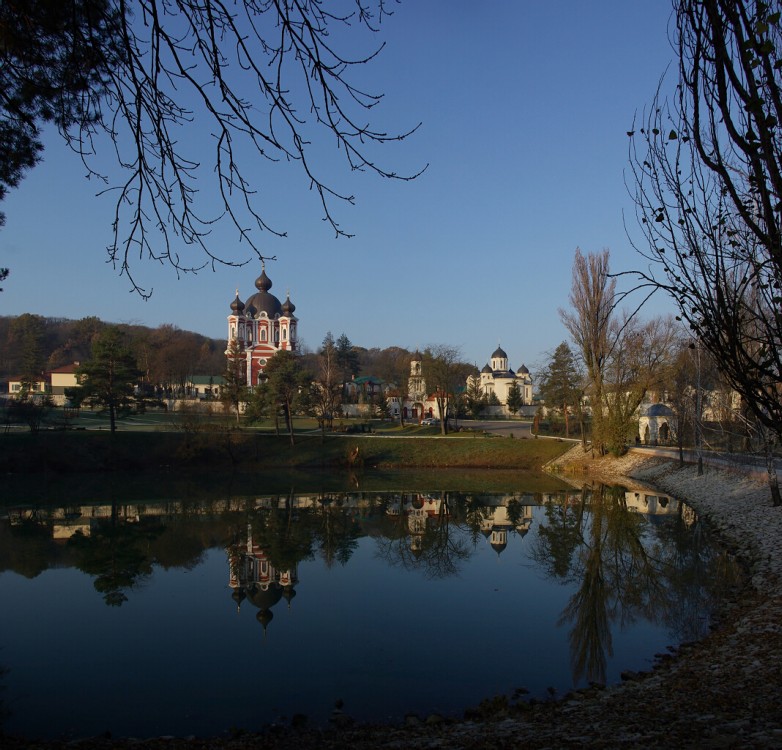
x: 498, y: 377
x: 261, y: 326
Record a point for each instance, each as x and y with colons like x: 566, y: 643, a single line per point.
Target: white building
x: 498, y: 377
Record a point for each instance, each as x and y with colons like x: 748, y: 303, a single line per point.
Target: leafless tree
x: 163, y: 83
x: 326, y: 388
x: 707, y: 182
x: 443, y: 374
x: 592, y: 302
x: 623, y: 358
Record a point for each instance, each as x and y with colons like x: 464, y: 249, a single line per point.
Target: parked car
x: 430, y: 421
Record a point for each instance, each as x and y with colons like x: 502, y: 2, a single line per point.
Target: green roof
x: 206, y: 380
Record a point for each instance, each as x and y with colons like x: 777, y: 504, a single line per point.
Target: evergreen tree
x: 234, y: 391
x: 515, y: 400
x: 561, y: 383
x: 476, y: 398
x: 347, y: 358
x: 109, y: 378
x: 286, y: 380
x: 27, y: 333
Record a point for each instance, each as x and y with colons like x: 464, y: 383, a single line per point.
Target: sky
x: 524, y: 108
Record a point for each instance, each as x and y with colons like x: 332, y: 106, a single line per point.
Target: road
x: 499, y: 427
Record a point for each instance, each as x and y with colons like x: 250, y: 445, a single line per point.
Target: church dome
x: 523, y: 370
x: 487, y: 369
x: 237, y: 306
x: 264, y: 598
x: 262, y: 301
x: 238, y: 596
x: 288, y: 307
x: 499, y: 352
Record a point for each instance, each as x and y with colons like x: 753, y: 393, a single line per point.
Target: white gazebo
x: 657, y: 425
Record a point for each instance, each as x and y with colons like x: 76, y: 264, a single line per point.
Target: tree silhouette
x: 159, y: 84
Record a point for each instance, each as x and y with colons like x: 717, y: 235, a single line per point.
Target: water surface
x: 194, y: 617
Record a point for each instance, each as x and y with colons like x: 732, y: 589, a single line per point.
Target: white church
x: 498, y: 377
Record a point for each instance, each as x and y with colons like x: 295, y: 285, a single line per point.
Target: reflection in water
x: 620, y: 557
x: 625, y: 564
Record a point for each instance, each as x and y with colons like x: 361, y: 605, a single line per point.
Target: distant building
x: 657, y: 424
x: 262, y: 326
x: 496, y: 378
x: 418, y: 404
x: 61, y: 379
x: 38, y: 386
x: 204, y: 386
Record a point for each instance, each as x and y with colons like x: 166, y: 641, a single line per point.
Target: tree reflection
x: 424, y: 536
x: 337, y: 531
x: 117, y: 554
x: 624, y: 564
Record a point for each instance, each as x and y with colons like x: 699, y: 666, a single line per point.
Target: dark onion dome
x: 487, y: 369
x: 498, y: 547
x: 416, y: 356
x: 262, y: 301
x: 238, y: 596
x: 288, y: 307
x: 505, y: 374
x: 263, y: 283
x: 264, y: 616
x: 264, y: 598
x: 237, y: 306
x: 288, y: 593
x: 523, y: 370
x: 499, y: 352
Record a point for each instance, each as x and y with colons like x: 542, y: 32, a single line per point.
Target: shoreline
x: 718, y: 692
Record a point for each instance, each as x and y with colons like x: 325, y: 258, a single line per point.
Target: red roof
x: 66, y: 369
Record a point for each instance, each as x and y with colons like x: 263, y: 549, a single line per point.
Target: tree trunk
x: 289, y: 420
x: 771, y: 469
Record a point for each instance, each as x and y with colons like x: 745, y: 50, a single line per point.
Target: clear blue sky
x: 524, y: 108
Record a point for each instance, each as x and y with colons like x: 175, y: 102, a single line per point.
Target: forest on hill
x: 166, y: 355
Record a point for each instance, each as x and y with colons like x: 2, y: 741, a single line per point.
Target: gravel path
x: 717, y: 693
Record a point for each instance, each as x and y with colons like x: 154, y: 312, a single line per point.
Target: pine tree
x: 110, y: 377
x: 515, y: 400
x: 234, y: 391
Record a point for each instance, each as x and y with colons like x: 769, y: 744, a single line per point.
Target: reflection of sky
x: 177, y: 657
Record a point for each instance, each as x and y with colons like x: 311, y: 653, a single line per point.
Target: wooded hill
x: 166, y: 355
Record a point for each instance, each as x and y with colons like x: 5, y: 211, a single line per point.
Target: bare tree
x: 707, y: 182
x: 325, y: 396
x: 592, y: 301
x: 256, y: 82
x: 443, y: 371
x: 638, y: 363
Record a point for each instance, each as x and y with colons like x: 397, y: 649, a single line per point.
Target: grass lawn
x: 151, y: 442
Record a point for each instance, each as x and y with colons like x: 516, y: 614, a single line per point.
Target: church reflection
x: 253, y: 577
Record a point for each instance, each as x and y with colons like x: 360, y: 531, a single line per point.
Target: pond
x: 196, y: 617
